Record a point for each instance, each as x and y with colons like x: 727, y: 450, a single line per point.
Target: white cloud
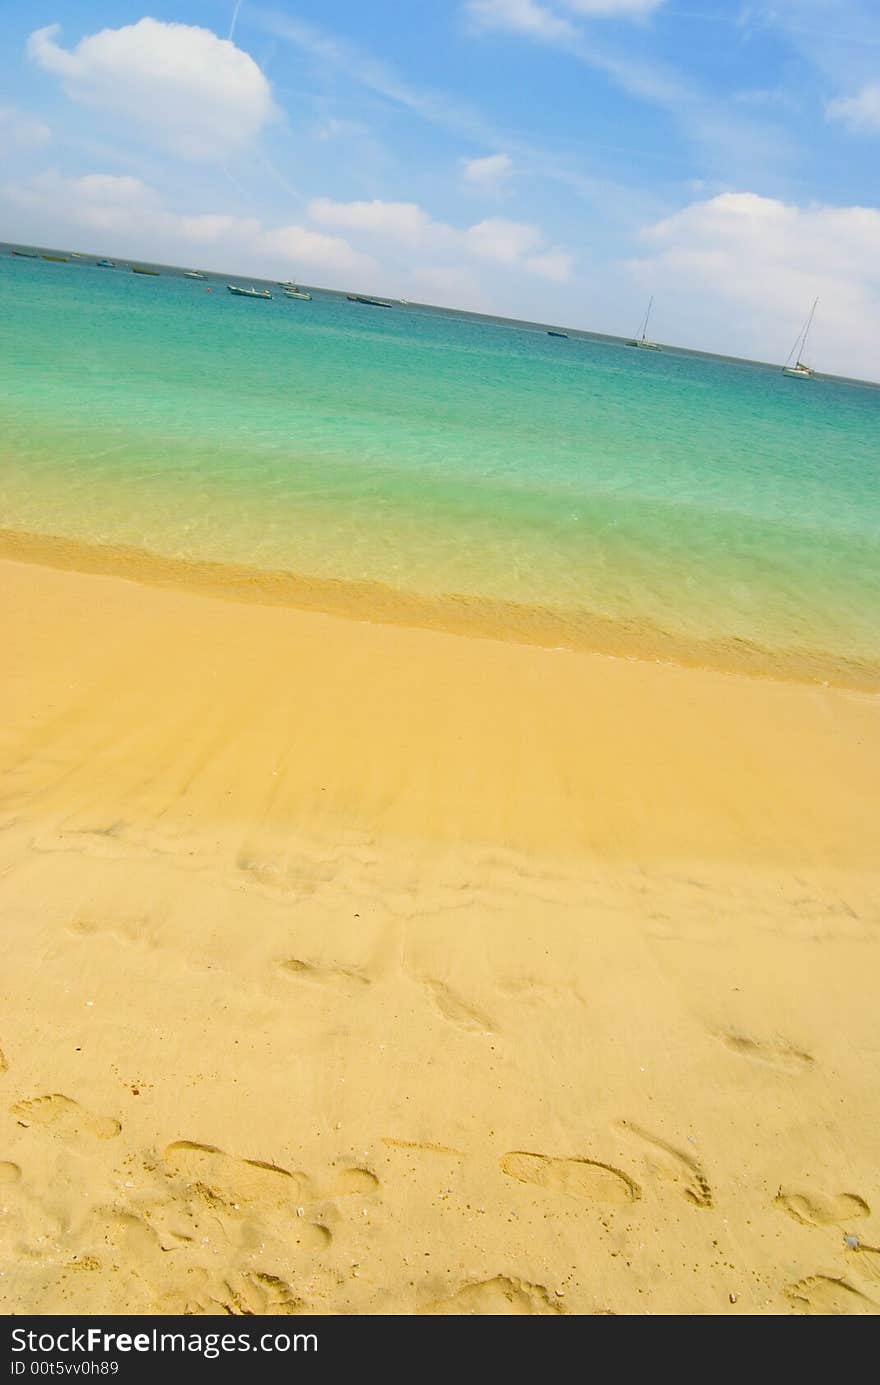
x: 542, y: 22
x: 489, y: 173
x: 199, y: 95
x: 556, y: 265
x: 399, y: 220
x: 738, y: 272
x: 130, y: 218
x: 613, y: 9
x: 520, y: 16
x: 20, y: 131
x: 501, y: 240
x: 860, y: 112
x: 405, y: 226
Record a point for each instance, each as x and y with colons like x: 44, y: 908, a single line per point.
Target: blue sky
x: 552, y: 159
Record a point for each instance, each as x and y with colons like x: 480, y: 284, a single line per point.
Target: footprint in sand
x: 498, y: 1297
x: 64, y: 1117
x: 820, y: 1209
x: 4, y: 1066
x: 820, y: 1295
x: 865, y: 1261
x: 345, y: 979
x: 770, y: 1053
x: 9, y: 1172
x: 456, y: 1010
x: 236, y: 1182
x: 422, y: 1147
x: 673, y: 1165
x: 254, y: 1295
x: 238, y: 1293
x: 351, y: 1182
x: 582, y: 1178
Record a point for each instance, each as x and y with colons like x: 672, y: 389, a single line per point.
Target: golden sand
x: 366, y: 969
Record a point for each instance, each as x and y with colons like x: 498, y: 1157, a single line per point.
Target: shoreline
x: 576, y: 631
x: 369, y: 969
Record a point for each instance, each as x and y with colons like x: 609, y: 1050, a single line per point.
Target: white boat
x: 800, y: 371
x: 291, y: 291
x: 642, y: 340
x: 248, y: 293
x: 192, y: 274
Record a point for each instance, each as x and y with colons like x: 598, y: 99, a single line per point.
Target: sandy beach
x: 354, y: 968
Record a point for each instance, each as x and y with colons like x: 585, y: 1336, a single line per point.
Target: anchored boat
x: 642, y: 340
x: 800, y: 371
x: 248, y: 293
x: 363, y: 298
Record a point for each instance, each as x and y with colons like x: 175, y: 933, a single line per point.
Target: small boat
x: 248, y: 293
x: 192, y: 274
x: 26, y: 254
x: 56, y: 259
x: 364, y: 298
x: 800, y: 371
x: 642, y: 340
x: 557, y: 334
x: 105, y: 264
x: 136, y: 269
x: 296, y: 293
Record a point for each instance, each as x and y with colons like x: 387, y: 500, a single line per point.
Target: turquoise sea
x: 570, y: 491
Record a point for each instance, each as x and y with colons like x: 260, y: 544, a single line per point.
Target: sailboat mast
x: 647, y: 316
x: 807, y: 330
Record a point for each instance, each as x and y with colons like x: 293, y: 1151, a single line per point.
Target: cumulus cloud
x: 132, y: 218
x: 199, y: 95
x: 489, y: 173
x: 738, y: 272
x: 860, y: 112
x: 406, y: 226
x: 20, y: 131
x: 399, y: 220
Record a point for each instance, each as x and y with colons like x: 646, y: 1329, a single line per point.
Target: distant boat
x: 557, y: 334
x: 643, y: 339
x: 105, y: 264
x: 136, y: 269
x: 363, y: 298
x: 26, y: 254
x: 291, y: 291
x: 56, y: 259
x: 800, y: 371
x: 192, y: 274
x: 248, y: 293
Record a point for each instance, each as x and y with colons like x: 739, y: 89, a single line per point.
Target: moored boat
x: 105, y: 264
x: 248, y: 293
x: 642, y: 340
x: 557, y: 334
x: 800, y: 370
x: 193, y: 274
x: 26, y: 254
x: 364, y: 298
x: 296, y: 293
x: 56, y: 259
x: 138, y: 269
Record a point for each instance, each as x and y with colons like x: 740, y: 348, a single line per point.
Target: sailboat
x: 643, y: 339
x: 800, y: 371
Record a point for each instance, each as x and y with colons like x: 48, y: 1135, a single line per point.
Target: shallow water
x: 570, y: 491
